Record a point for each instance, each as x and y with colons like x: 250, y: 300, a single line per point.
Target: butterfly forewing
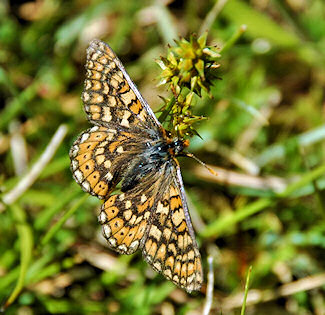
x: 109, y: 95
x: 151, y: 213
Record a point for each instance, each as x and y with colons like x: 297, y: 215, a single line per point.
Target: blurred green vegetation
x: 265, y: 133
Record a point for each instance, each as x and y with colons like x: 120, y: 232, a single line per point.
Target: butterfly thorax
x: 152, y: 159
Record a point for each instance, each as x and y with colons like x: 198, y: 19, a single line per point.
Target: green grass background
x: 267, y: 111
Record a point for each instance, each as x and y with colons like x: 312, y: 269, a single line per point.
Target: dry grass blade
x: 37, y: 168
x: 260, y: 296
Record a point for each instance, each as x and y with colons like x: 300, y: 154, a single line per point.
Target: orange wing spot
x: 124, y: 88
x: 95, y: 116
x: 180, y: 241
x: 198, y: 264
x: 190, y: 269
x: 128, y: 135
x: 111, y: 212
x: 116, y: 224
x: 108, y: 52
x: 95, y: 109
x: 175, y: 202
x: 93, y: 178
x: 182, y: 228
x: 161, y: 253
x: 130, y: 236
x: 170, y: 262
x: 141, y: 230
x: 136, y: 107
x: 148, y: 245
x: 96, y: 136
x: 177, y: 269
x: 172, y: 248
x: 120, y: 235
x: 152, y: 250
x: 184, y: 268
x: 86, y: 146
x: 96, y: 85
x: 112, y: 147
x: 87, y: 168
x: 173, y: 191
x: 101, y: 188
x: 82, y: 158
x: 143, y: 207
x: 110, y: 201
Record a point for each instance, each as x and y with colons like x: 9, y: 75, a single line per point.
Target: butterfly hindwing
x: 170, y: 246
x: 125, y: 216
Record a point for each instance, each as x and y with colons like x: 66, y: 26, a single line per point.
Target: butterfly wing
x: 154, y: 216
x: 170, y: 245
x: 110, y: 96
x: 98, y: 158
x: 124, y: 123
x: 125, y: 216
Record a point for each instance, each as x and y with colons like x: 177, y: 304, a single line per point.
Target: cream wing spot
x: 107, y: 231
x: 74, y: 165
x: 107, y: 164
x: 109, y: 176
x: 99, y: 151
x: 127, y: 215
x: 119, y: 149
x: 134, y: 245
x: 178, y: 217
x: 100, y: 159
x: 157, y: 265
x: 128, y: 204
x: 74, y: 151
x: 143, y: 198
x: 155, y: 232
x: 107, y: 117
x: 79, y: 176
x: 162, y: 209
x: 112, y: 241
x: 122, y: 248
x: 85, y: 96
x: 85, y: 185
x: 125, y: 118
x: 84, y: 137
x: 102, y: 218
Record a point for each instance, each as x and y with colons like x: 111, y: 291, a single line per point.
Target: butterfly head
x: 177, y: 146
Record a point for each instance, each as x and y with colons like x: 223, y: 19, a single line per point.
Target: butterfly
x: 128, y: 145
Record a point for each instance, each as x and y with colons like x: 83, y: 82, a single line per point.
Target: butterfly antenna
x: 191, y: 155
